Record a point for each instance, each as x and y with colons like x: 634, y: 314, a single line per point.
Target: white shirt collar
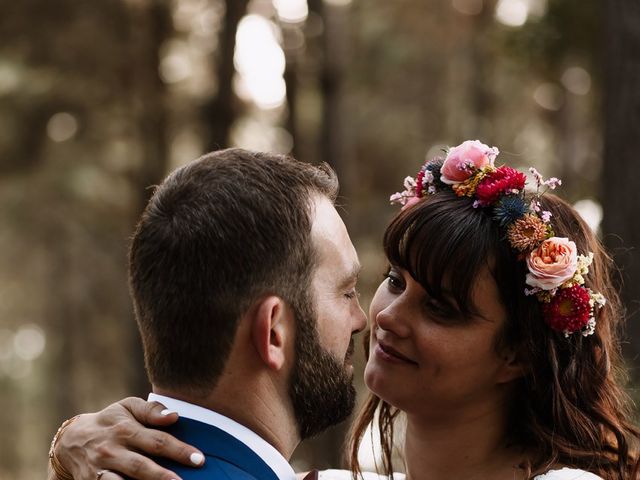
x: 259, y: 445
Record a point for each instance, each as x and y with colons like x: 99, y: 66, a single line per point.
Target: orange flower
x: 527, y: 232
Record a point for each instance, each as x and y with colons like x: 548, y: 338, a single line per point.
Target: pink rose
x: 550, y: 265
x: 464, y: 159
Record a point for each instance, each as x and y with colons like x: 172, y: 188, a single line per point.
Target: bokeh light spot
x: 549, y: 96
x: 29, y: 342
x: 291, y: 11
x: 577, y: 80
x: 62, y: 126
x: 512, y: 13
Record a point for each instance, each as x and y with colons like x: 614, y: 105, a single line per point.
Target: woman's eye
x: 394, y: 281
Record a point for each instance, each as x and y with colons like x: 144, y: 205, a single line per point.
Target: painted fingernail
x: 196, y: 458
x: 166, y: 412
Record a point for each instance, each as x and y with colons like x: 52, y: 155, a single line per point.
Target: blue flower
x: 509, y: 209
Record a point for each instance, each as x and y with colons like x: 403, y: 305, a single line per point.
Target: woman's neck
x: 469, y: 445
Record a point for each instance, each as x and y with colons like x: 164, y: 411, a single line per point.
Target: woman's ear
x: 271, y: 330
x: 512, y: 366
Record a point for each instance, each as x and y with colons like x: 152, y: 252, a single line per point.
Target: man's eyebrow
x: 352, y: 276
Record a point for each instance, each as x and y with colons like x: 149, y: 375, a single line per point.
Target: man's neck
x: 253, y: 408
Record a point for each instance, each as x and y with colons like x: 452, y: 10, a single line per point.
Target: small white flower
x: 535, y: 205
x: 583, y: 263
x: 466, y: 166
x: 428, y: 177
x: 546, y: 216
x: 409, y: 183
x: 598, y: 299
x: 398, y: 198
x: 538, y: 177
x: 553, y: 182
x: 590, y: 328
x: 588, y: 259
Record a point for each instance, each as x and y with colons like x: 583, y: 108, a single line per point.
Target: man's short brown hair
x: 217, y: 234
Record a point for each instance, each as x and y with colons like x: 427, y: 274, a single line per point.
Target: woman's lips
x: 390, y: 355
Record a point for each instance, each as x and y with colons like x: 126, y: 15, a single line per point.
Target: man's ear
x: 271, y: 330
x: 512, y: 366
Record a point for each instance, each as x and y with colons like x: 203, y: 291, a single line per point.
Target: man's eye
x: 352, y: 294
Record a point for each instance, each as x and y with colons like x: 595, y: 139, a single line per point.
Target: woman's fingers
x: 102, y: 440
x: 126, y: 463
x: 161, y: 444
x: 108, y: 475
x: 154, y: 442
x: 148, y: 413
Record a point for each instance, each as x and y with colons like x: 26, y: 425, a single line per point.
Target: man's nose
x: 360, y: 321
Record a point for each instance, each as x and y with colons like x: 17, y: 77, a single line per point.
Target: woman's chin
x: 376, y: 380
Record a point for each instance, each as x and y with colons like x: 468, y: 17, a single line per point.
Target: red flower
x: 569, y: 309
x: 419, y: 179
x: 494, y: 184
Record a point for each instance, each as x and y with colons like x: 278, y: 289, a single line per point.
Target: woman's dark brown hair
x: 570, y: 409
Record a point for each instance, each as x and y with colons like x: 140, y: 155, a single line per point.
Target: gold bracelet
x: 56, y: 466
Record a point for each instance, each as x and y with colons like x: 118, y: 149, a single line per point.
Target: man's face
x: 322, y: 389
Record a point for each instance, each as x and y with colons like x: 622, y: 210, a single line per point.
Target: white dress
x: 562, y: 474
x: 370, y: 455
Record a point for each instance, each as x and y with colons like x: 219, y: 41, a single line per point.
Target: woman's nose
x: 393, y: 319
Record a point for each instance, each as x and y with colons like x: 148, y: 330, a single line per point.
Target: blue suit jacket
x: 225, y: 456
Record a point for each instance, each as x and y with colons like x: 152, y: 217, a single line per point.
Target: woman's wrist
x: 60, y: 472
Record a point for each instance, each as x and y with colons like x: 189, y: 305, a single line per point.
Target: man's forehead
x: 330, y: 237
x: 327, y: 223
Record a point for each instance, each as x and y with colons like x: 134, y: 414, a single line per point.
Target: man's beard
x: 321, y: 391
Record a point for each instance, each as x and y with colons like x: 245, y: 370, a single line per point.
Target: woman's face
x: 427, y: 359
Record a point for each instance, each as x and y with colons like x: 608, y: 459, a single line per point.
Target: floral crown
x: 555, y: 270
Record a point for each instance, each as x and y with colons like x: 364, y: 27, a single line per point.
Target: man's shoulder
x: 214, y: 468
x: 226, y: 457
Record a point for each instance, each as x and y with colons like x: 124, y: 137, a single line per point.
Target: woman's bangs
x: 443, y: 243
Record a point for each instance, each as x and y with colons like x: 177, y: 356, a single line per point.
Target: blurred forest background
x: 100, y: 99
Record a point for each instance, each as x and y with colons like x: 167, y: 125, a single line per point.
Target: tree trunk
x: 480, y: 73
x: 150, y: 27
x: 620, y: 171
x: 291, y: 81
x: 219, y: 112
x: 335, y: 139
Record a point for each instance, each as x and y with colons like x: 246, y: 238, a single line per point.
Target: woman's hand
x: 110, y: 439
